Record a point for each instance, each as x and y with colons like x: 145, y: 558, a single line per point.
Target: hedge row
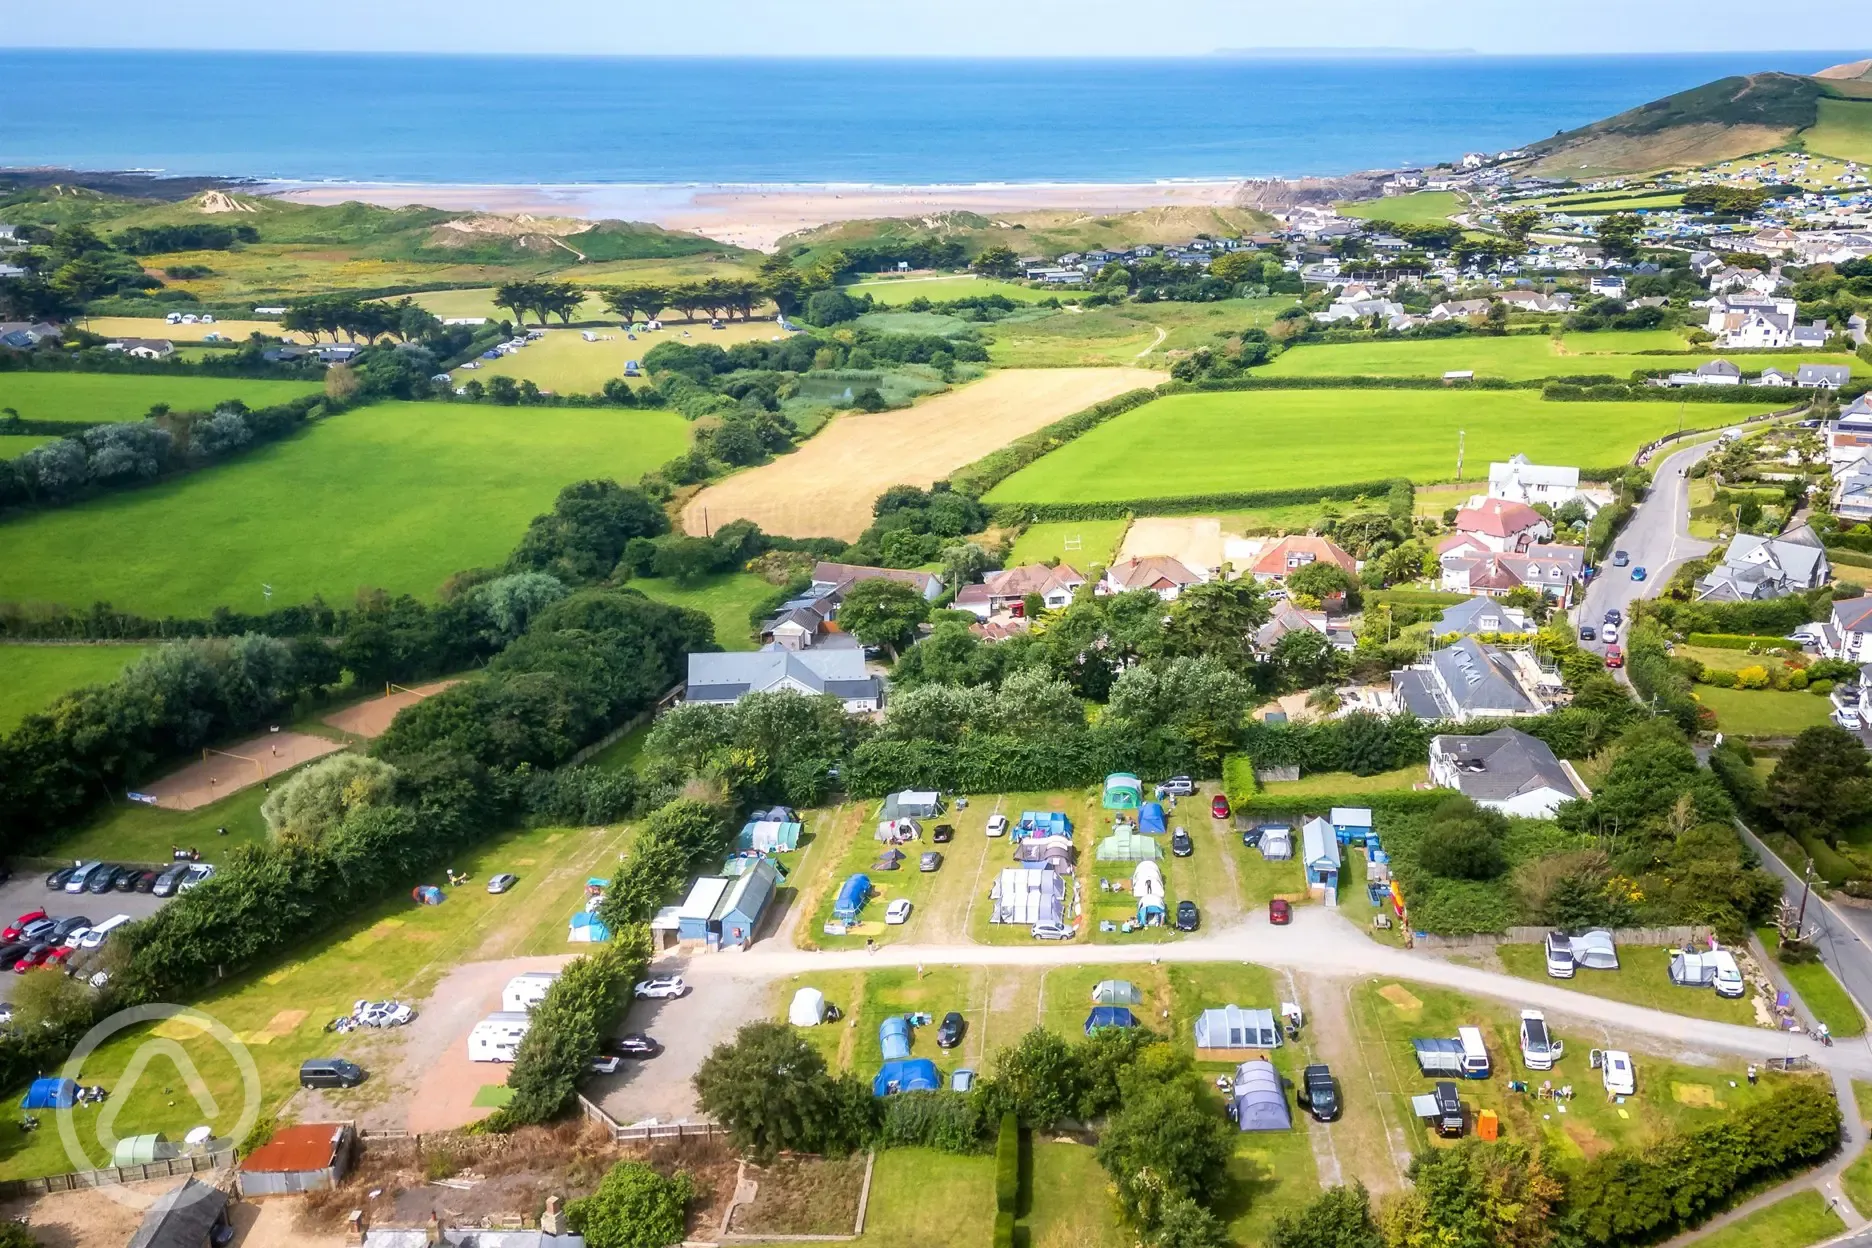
x: 1007, y: 1166
x: 1734, y: 641
x: 1349, y: 382
x: 1560, y: 392
x: 1835, y: 539
x: 1118, y: 509
x: 1270, y: 800
x: 997, y: 466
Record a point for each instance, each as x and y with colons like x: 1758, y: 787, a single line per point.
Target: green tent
x: 1123, y: 791
x: 1116, y: 992
x: 1128, y: 845
x: 140, y: 1150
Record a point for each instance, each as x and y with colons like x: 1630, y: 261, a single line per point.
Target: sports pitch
x: 91, y: 398
x: 397, y: 496
x: 1192, y: 444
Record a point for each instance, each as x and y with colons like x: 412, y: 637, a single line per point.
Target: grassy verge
x: 1791, y: 1222
x: 1643, y: 978
x: 1829, y: 1002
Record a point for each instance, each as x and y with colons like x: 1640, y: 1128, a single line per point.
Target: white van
x: 526, y: 990
x: 1539, y: 1049
x: 1475, y: 1059
x: 82, y: 876
x: 95, y: 936
x: 1615, y: 1069
x: 1728, y: 975
x: 1559, y: 956
x: 497, y: 1037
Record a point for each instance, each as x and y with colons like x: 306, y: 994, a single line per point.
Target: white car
x: 1616, y: 1069
x: 382, y: 1013
x: 1052, y: 931
x: 1609, y: 634
x: 196, y: 874
x: 660, y: 989
x: 997, y: 825
x: 605, y: 1065
x: 1847, y: 718
x: 897, y: 912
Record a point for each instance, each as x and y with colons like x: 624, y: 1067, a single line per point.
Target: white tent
x: 1116, y: 992
x: 1276, y: 844
x: 808, y: 1008
x: 1147, y: 880
x: 1232, y: 1027
x: 1027, y: 897
x: 1595, y: 950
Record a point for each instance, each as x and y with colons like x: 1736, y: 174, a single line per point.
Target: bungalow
x: 25, y: 335
x: 1775, y: 377
x: 1507, y: 770
x: 1758, y: 568
x: 842, y: 576
x: 801, y: 622
x: 1482, y: 614
x: 1280, y: 558
x: 1498, y: 525
x: 1606, y: 286
x: 1286, y: 618
x: 1468, y: 680
x: 1550, y: 569
x: 1535, y: 301
x: 1008, y: 590
x: 1822, y: 376
x: 1161, y: 574
x: 1358, y: 310
x: 724, y: 679
x: 1459, y: 309
x: 1813, y: 334
x: 142, y: 348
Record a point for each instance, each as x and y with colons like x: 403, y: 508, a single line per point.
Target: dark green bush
x: 950, y: 1122
x: 1007, y: 1167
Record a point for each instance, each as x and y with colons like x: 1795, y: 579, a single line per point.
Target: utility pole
x: 1459, y: 455
x: 1800, y: 920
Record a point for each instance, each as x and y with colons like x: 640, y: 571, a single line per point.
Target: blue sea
x: 688, y: 121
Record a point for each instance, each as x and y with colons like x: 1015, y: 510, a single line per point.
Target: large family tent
x: 1148, y: 887
x: 769, y: 836
x: 914, y: 1074
x: 1259, y: 1101
x: 1123, y: 791
x: 1231, y: 1027
x: 1116, y: 992
x: 1109, y: 1016
x: 1276, y: 843
x: 852, y: 895
x: 1043, y: 823
x: 1045, y: 853
x: 894, y: 1037
x: 808, y: 1008
x: 1027, y: 897
x: 50, y: 1094
x: 912, y: 804
x: 1595, y: 950
x: 1128, y: 845
x: 899, y: 831
x: 586, y: 928
x: 1151, y: 819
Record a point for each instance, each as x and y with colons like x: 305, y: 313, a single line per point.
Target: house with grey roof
x: 1468, y: 680
x: 842, y: 576
x: 1506, y: 770
x: 1847, y: 632
x: 724, y: 679
x: 1755, y: 569
x: 1852, y: 491
x: 1822, y: 376
x: 1482, y: 615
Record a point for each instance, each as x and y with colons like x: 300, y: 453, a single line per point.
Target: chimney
x: 552, y: 1222
x: 432, y: 1233
x: 355, y: 1226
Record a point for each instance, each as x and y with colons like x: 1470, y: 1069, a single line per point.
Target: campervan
x: 1559, y: 956
x: 1728, y: 974
x: 1539, y: 1048
x: 526, y: 990
x: 1466, y: 1055
x: 497, y: 1037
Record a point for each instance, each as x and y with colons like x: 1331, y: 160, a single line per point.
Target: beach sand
x: 759, y: 216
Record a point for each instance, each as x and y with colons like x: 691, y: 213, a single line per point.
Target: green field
x: 1844, y: 130
x: 88, y: 398
x: 31, y: 677
x: 13, y: 445
x: 397, y: 496
x: 1642, y: 978
x: 726, y: 598
x: 1589, y: 205
x: 1417, y: 208
x: 1791, y: 1222
x: 1270, y: 439
x: 1518, y: 357
x: 1125, y: 333
x: 1818, y: 989
x: 1092, y: 541
x: 893, y: 291
x: 564, y: 363
x: 1763, y: 712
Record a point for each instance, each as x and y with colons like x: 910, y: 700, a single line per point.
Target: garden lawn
x: 1763, y: 712
x: 1417, y: 208
x: 397, y: 496
x: 13, y: 445
x: 1817, y: 987
x: 1791, y: 1222
x: 91, y: 398
x: 1330, y: 783
x: 726, y: 598
x: 1642, y: 978
x: 1516, y: 357
x: 33, y: 677
x: 1067, y: 1205
x: 930, y: 1199
x: 895, y: 291
x: 1081, y: 543
x: 1295, y: 439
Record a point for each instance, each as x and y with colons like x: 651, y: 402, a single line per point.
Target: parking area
x: 687, y: 1027
x: 27, y: 892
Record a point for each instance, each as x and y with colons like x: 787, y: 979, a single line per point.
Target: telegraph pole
x: 1800, y: 920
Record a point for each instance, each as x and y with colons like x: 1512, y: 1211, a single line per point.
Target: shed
x: 1320, y: 851
x: 189, y: 1216
x: 1259, y: 1099
x: 769, y: 836
x: 1151, y: 819
x: 894, y: 1037
x: 912, y: 804
x: 50, y: 1094
x: 1123, y: 791
x: 915, y: 1074
x: 1126, y: 845
x: 1109, y: 1016
x: 1116, y: 992
x: 1351, y: 824
x: 141, y: 1150
x: 304, y: 1158
x: 808, y: 1008
x: 1027, y: 897
x: 739, y: 913
x: 1276, y: 843
x: 1044, y: 823
x: 852, y: 895
x: 587, y: 928
x: 693, y: 915
x: 1231, y: 1027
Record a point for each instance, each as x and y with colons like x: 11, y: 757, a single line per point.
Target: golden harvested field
x: 157, y: 327
x: 826, y: 488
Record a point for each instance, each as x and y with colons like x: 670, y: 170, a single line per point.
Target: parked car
x: 997, y: 825
x: 196, y: 873
x: 1251, y: 837
x: 57, y: 954
x: 1052, y: 931
x: 1219, y: 807
x: 17, y: 926
x: 11, y: 953
x: 931, y: 860
x: 632, y: 1044
x: 661, y: 988
x: 33, y: 957
x: 62, y: 929
x: 898, y: 912
x: 101, y: 879
x: 962, y: 1080
x: 330, y: 1072
x: 943, y: 833
x: 1614, y: 657
x: 166, y: 881
x: 125, y: 879
x: 37, y: 930
x: 949, y: 1034
x: 1620, y: 559
x: 1319, y: 1092
x: 1280, y: 912
x: 146, y: 880
x: 55, y: 882
x: 604, y: 1064
x: 1586, y: 633
x: 502, y: 882
x: 1614, y: 616
x: 1637, y: 574
x: 1180, y: 844
x: 1848, y: 718
x: 1187, y: 918
x: 1178, y: 786
x: 80, y: 875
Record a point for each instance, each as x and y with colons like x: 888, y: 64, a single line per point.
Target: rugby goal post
x: 1073, y: 542
x: 390, y: 689
x: 257, y: 764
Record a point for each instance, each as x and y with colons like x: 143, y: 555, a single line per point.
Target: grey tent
x: 1259, y: 1102
x: 1116, y: 992
x: 1595, y: 950
x: 1231, y: 1027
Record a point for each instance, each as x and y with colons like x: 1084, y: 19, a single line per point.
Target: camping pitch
x: 1259, y: 1102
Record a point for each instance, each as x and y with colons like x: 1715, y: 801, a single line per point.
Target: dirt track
x: 826, y: 488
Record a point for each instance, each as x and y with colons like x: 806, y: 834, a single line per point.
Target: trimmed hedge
x: 1399, y: 802
x: 997, y: 466
x: 1238, y: 780
x: 1007, y: 1167
x: 1004, y: 1230
x: 1118, y: 509
x: 1736, y: 641
x: 1356, y: 381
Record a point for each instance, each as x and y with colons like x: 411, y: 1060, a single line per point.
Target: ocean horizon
x: 692, y: 122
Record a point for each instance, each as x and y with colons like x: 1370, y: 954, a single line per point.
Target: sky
x: 937, y: 27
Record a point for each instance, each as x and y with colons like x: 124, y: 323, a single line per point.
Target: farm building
x: 526, y: 990
x: 193, y: 1215
x: 1045, y: 853
x: 1116, y: 992
x: 912, y: 804
x: 1109, y: 1016
x: 304, y: 1158
x: 1319, y: 848
x: 1151, y: 819
x: 1351, y: 824
x: 1123, y: 791
x: 1027, y: 897
x: 1148, y: 887
x: 1231, y: 1027
x: 1276, y: 843
x: 1128, y: 845
x: 1258, y: 1100
x: 852, y: 895
x: 915, y: 1074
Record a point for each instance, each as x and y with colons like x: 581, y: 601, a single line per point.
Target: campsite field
x: 1516, y: 357
x: 1417, y: 208
x: 157, y: 327
x: 398, y: 496
x: 1192, y: 444
x: 893, y: 291
x: 33, y: 677
x: 827, y: 487
x: 91, y: 398
x: 564, y: 363
x: 1642, y: 978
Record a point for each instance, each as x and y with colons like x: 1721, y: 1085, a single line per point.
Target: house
x: 1161, y: 574
x: 1814, y: 335
x: 1285, y: 618
x: 142, y: 348
x: 1847, y: 632
x: 1320, y: 856
x: 801, y: 624
x: 1459, y: 309
x: 1776, y: 377
x: 193, y: 1215
x: 1551, y: 569
x: 25, y: 335
x: 1849, y: 437
x: 1498, y: 525
x: 842, y: 576
x: 1852, y: 491
x: 1482, y: 614
x: 1752, y: 321
x: 724, y: 679
x: 1537, y: 302
x: 1008, y: 590
x: 1358, y: 310
x: 1289, y: 554
x: 1468, y: 680
x: 1758, y: 568
x: 1822, y: 376
x: 1520, y: 481
x: 1606, y: 286
x: 305, y: 1158
x: 1717, y: 373
x: 1506, y: 770
x: 1704, y: 263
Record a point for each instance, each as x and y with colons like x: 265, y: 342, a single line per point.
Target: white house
x: 1849, y: 438
x: 1758, y: 568
x: 1497, y: 525
x: 1161, y: 574
x: 1469, y: 680
x: 1506, y: 770
x: 1847, y: 633
x: 1852, y: 491
x: 1520, y: 481
x: 1007, y: 590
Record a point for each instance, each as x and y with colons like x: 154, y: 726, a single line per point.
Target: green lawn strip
x: 1815, y: 984
x: 1328, y: 783
x: 129, y: 831
x: 1294, y: 439
x: 1642, y: 978
x: 1857, y: 1180
x: 895, y: 292
x: 1763, y: 712
x: 623, y: 752
x: 930, y: 1199
x: 725, y: 598
x: 492, y: 1096
x: 33, y: 677
x: 1519, y: 357
x: 398, y: 496
x: 1416, y: 208
x: 13, y: 445
x: 1791, y: 1222
x: 1734, y: 660
x: 1067, y: 1198
x: 1081, y: 543
x: 88, y: 398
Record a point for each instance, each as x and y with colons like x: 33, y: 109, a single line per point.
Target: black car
x: 1187, y: 918
x: 944, y: 833
x: 56, y: 881
x: 1319, y: 1092
x: 630, y: 1044
x: 330, y: 1072
x: 124, y: 881
x: 9, y: 954
x: 1586, y: 633
x: 950, y: 1033
x: 146, y: 880
x: 1614, y: 616
x: 1180, y: 844
x: 100, y: 881
x: 167, y: 880
x: 65, y: 927
x: 1251, y: 838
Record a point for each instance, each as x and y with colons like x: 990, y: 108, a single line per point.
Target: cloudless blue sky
x: 945, y: 27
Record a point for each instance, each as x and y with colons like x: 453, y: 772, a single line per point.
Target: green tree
x: 1339, y: 1217
x: 1464, y: 842
x: 1319, y: 580
x: 1186, y: 1224
x: 1476, y: 1195
x: 1218, y: 620
x: 1618, y: 234
x: 773, y: 1092
x: 1163, y: 1143
x: 316, y: 800
x: 1518, y: 223
x: 1237, y: 267
x: 51, y: 1000
x: 634, y: 1207
x: 997, y: 261
x: 1038, y: 1078
x: 883, y: 612
x: 1823, y: 783
x: 567, y: 1026
x: 1305, y: 658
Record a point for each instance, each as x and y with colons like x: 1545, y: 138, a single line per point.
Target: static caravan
x: 497, y: 1037
x: 526, y: 990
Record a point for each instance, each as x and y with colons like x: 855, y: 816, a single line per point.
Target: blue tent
x: 1042, y: 823
x: 894, y: 1037
x: 51, y: 1094
x: 1151, y: 819
x: 916, y: 1074
x: 851, y: 898
x: 1109, y: 1016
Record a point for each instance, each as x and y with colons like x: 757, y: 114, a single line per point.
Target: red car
x: 1614, y: 657
x: 1219, y: 807
x: 18, y: 925
x: 59, y: 953
x: 35, y: 957
x: 1280, y: 913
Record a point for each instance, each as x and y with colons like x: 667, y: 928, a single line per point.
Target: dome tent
x: 808, y: 1008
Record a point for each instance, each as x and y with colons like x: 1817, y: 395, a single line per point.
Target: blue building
x: 1351, y: 824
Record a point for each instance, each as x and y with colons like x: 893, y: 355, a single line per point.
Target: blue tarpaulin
x: 1109, y: 1016
x: 851, y: 898
x: 1151, y: 819
x: 916, y: 1074
x: 894, y: 1038
x: 50, y: 1094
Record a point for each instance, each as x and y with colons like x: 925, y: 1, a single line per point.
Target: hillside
x: 1044, y: 232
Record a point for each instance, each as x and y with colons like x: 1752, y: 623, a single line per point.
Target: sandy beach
x: 758, y: 216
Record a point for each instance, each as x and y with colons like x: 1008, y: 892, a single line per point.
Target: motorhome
x: 497, y: 1037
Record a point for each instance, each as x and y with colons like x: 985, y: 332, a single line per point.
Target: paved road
x: 1842, y: 933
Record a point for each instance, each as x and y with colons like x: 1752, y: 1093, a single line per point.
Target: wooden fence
x: 83, y: 1180
x: 654, y: 1133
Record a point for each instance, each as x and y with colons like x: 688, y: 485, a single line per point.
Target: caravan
x: 526, y: 990
x: 497, y: 1037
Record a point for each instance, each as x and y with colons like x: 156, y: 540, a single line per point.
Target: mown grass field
x: 158, y: 327
x: 397, y: 496
x: 1844, y: 130
x: 88, y: 398
x: 13, y: 445
x: 1642, y: 978
x: 564, y: 363
x: 1763, y: 712
x: 1192, y: 444
x: 1417, y: 208
x: 726, y: 599
x: 894, y: 291
x: 1125, y: 333
x: 1092, y: 541
x: 1516, y: 357
x: 32, y: 677
x: 1586, y: 205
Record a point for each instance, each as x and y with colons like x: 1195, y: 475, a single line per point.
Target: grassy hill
x: 1037, y: 233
